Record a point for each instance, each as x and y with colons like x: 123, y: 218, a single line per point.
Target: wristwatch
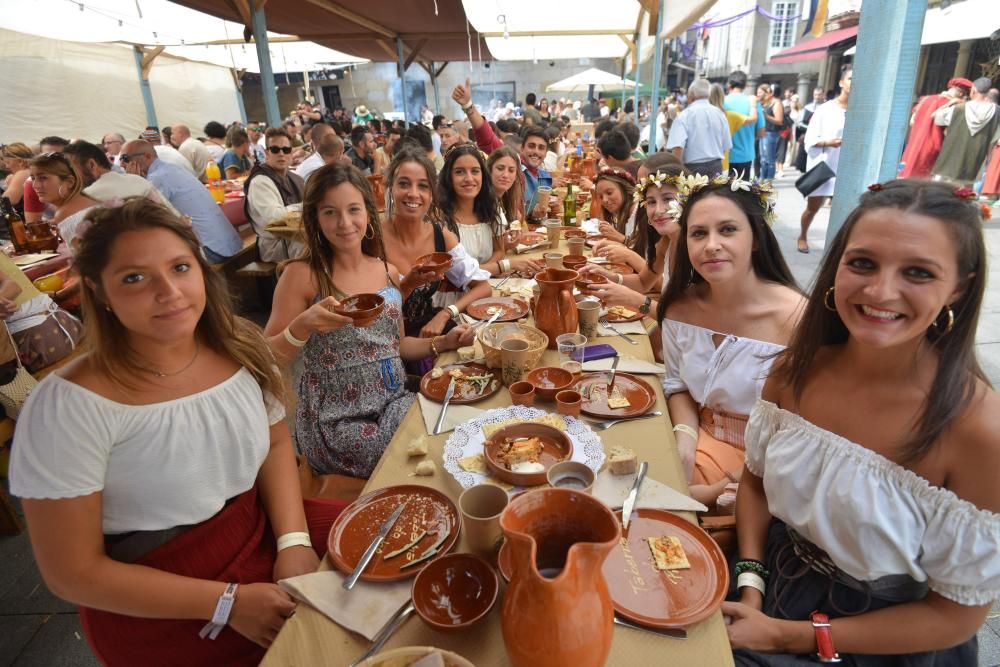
x: 644, y: 308
x: 824, y: 638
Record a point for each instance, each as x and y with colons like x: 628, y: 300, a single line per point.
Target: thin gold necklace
x: 197, y: 349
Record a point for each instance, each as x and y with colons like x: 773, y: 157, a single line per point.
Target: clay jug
x: 557, y: 610
x: 555, y: 308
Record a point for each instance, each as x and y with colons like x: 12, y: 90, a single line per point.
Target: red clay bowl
x: 590, y: 280
x: 574, y: 262
x: 574, y: 233
x: 362, y: 308
x: 549, y: 381
x: 435, y: 261
x: 455, y: 591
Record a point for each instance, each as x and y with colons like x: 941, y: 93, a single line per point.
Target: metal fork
x: 604, y: 323
x: 601, y: 426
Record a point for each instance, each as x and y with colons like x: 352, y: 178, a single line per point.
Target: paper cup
x: 513, y: 360
x: 544, y: 192
x: 553, y: 260
x: 589, y: 311
x: 481, y: 506
x: 553, y: 228
x: 575, y: 245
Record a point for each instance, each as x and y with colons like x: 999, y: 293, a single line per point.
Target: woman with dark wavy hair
x: 350, y: 403
x: 870, y: 493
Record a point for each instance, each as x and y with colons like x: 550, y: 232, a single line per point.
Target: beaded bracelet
x: 751, y: 565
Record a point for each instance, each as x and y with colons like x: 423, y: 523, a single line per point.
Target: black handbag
x: 810, y: 181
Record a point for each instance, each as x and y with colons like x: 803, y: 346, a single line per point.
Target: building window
x: 783, y: 32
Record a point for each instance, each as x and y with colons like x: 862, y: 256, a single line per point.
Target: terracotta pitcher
x: 557, y: 610
x: 555, y: 308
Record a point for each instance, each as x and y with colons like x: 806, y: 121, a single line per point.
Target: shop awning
x: 972, y: 19
x: 815, y: 48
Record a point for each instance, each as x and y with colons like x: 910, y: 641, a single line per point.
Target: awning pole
x: 877, y: 122
x: 147, y: 93
x: 638, y: 65
x: 655, y: 101
x: 266, y: 73
x: 402, y: 77
x: 437, y: 96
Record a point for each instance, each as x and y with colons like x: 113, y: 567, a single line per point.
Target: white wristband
x: 684, y: 428
x: 292, y: 340
x: 453, y: 311
x: 751, y: 579
x: 294, y: 540
x: 621, y: 279
x: 221, y: 616
x: 504, y: 266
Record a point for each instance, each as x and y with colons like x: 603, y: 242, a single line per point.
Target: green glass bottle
x: 569, y: 207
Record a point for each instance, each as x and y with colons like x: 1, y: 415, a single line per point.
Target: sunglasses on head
x: 280, y: 149
x: 125, y: 158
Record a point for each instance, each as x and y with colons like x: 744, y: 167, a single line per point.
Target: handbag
x: 14, y: 393
x: 810, y: 181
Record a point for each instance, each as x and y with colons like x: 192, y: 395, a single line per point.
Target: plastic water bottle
x: 579, y: 149
x: 899, y: 169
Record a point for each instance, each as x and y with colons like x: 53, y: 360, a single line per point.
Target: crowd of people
x: 158, y: 474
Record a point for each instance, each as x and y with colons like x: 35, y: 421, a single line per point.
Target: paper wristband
x: 684, y: 428
x: 751, y: 579
x: 292, y: 340
x: 221, y: 616
x: 453, y: 310
x: 294, y: 540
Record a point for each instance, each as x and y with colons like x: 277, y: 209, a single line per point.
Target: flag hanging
x: 817, y: 17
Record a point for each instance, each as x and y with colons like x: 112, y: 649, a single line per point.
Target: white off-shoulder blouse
x: 872, y: 516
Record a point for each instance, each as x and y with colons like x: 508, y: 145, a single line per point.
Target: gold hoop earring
x: 949, y: 326
x: 371, y: 231
x: 826, y: 300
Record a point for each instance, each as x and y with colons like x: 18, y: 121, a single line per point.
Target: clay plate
x: 455, y: 591
x: 531, y: 238
x: 619, y: 318
x: 623, y: 269
x: 549, y: 381
x: 358, y: 525
x: 671, y: 598
x: 435, y: 388
x: 513, y: 309
x: 595, y: 402
x: 556, y: 447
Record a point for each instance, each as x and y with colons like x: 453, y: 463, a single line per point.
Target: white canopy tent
x: 602, y: 81
x: 972, y: 19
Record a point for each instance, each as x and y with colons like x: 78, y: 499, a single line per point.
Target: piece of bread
x: 616, y: 399
x: 474, y: 463
x: 668, y: 554
x: 621, y: 461
x: 555, y: 421
x: 425, y: 469
x: 417, y: 447
x: 466, y: 353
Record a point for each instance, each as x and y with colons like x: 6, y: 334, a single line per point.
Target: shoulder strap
x: 438, y: 238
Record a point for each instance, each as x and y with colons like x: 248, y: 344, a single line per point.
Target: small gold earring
x: 826, y: 300
x: 949, y: 326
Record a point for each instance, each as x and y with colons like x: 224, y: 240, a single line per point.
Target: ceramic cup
x: 575, y: 245
x: 568, y: 403
x: 570, y: 346
x: 589, y: 311
x: 554, y: 230
x: 553, y: 260
x: 481, y: 506
x: 513, y: 360
x: 571, y: 475
x: 522, y: 393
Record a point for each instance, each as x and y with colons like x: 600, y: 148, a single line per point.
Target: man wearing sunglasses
x: 272, y: 191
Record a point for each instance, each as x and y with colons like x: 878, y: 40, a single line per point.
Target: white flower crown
x: 689, y: 184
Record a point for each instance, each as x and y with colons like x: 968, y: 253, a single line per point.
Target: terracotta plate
x: 616, y: 317
x: 595, y: 397
x: 623, y: 269
x: 357, y: 526
x: 512, y: 309
x: 465, y: 392
x: 556, y: 447
x: 671, y: 598
x: 531, y: 238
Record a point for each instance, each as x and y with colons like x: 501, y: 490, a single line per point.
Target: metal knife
x: 383, y: 635
x: 444, y: 406
x: 373, y: 547
x: 633, y: 495
x: 614, y: 370
x: 673, y: 633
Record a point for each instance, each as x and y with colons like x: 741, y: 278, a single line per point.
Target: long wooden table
x: 310, y: 638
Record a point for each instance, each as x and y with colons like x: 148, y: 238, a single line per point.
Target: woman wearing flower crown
x: 870, y: 490
x: 730, y: 305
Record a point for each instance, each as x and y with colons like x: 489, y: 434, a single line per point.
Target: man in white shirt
x: 104, y: 184
x: 319, y: 132
x: 193, y: 150
x: 700, y: 134
x: 272, y: 192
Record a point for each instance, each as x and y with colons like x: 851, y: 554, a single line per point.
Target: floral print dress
x: 351, y: 394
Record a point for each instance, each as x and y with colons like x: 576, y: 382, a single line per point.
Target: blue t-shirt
x: 231, y: 159
x: 745, y: 137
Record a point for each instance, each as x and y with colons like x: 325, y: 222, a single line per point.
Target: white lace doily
x: 468, y: 440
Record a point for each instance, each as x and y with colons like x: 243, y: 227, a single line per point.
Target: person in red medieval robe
x: 925, y: 137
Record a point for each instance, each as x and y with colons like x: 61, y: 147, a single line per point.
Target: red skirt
x: 236, y: 545
x: 991, y: 181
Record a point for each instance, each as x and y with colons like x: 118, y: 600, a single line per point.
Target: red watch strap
x: 824, y: 638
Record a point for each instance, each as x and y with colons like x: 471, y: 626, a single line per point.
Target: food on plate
x: 555, y: 421
x: 474, y: 463
x: 621, y: 461
x: 417, y: 447
x: 668, y: 554
x: 436, y: 373
x: 515, y: 226
x: 527, y: 467
x: 467, y: 353
x: 493, y: 310
x: 617, y: 399
x: 622, y: 312
x: 425, y: 469
x: 504, y: 291
x: 463, y: 382
x: 519, y: 450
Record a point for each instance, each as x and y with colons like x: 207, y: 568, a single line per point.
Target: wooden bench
x: 265, y: 275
